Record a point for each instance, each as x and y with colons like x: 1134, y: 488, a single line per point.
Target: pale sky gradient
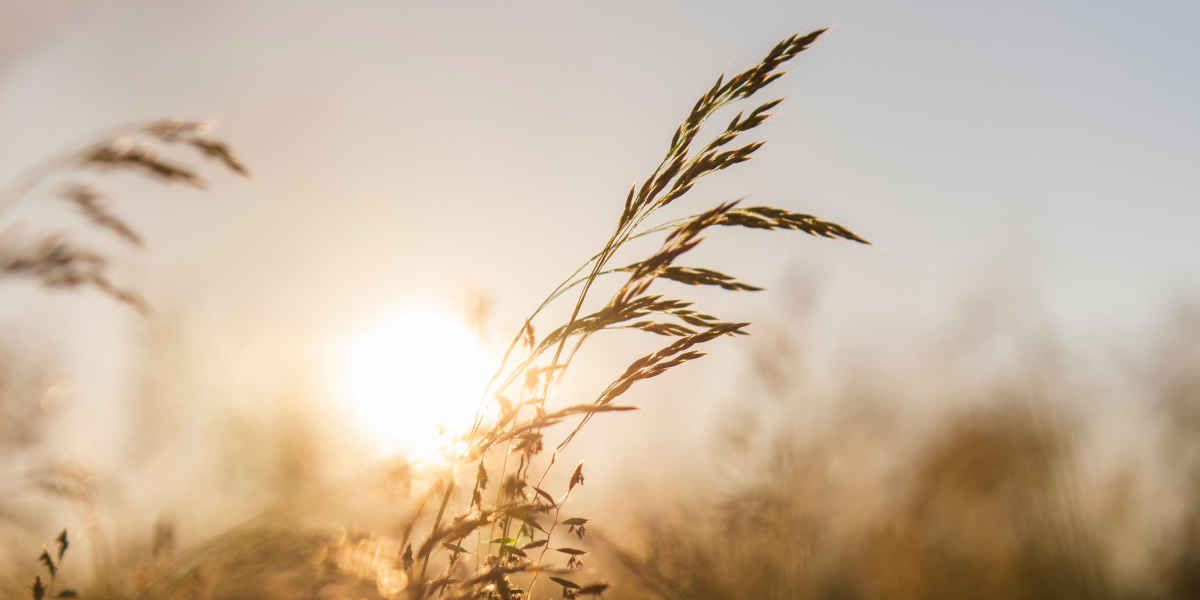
x: 436, y: 149
x: 1058, y: 142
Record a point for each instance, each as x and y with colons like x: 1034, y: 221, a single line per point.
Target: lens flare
x: 412, y: 380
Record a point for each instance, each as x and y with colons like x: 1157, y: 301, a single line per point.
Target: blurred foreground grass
x: 987, y: 499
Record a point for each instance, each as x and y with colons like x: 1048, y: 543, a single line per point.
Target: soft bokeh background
x: 1026, y: 173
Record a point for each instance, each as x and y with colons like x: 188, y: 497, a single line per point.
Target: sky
x: 1042, y: 152
x: 1052, y: 144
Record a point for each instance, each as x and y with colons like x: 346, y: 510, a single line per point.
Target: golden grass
x: 514, y: 531
x: 493, y: 538
x: 57, y: 262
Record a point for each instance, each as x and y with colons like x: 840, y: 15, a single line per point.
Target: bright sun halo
x: 413, y: 374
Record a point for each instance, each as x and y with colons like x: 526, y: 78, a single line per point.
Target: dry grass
x: 505, y: 533
x: 979, y: 510
x: 511, y: 522
x: 57, y: 262
x: 998, y: 496
x: 975, y: 512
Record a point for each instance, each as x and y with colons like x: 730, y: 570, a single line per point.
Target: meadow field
x: 207, y: 394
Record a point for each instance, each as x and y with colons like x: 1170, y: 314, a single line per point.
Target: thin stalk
x: 33, y: 175
x: 499, y: 492
x: 549, y: 532
x: 437, y: 522
x: 566, y: 285
x: 570, y: 282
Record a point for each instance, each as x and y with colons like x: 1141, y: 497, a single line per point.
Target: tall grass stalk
x: 57, y: 262
x: 515, y: 561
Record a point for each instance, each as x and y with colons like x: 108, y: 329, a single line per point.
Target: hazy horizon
x: 1024, y: 172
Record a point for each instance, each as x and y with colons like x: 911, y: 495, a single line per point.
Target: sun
x: 410, y: 379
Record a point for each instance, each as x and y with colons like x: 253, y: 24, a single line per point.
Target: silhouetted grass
x: 990, y: 500
x: 985, y: 504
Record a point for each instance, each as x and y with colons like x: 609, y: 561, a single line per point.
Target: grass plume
x: 57, y: 262
x: 518, y: 526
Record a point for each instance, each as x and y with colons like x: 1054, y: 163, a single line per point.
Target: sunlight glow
x: 411, y: 379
